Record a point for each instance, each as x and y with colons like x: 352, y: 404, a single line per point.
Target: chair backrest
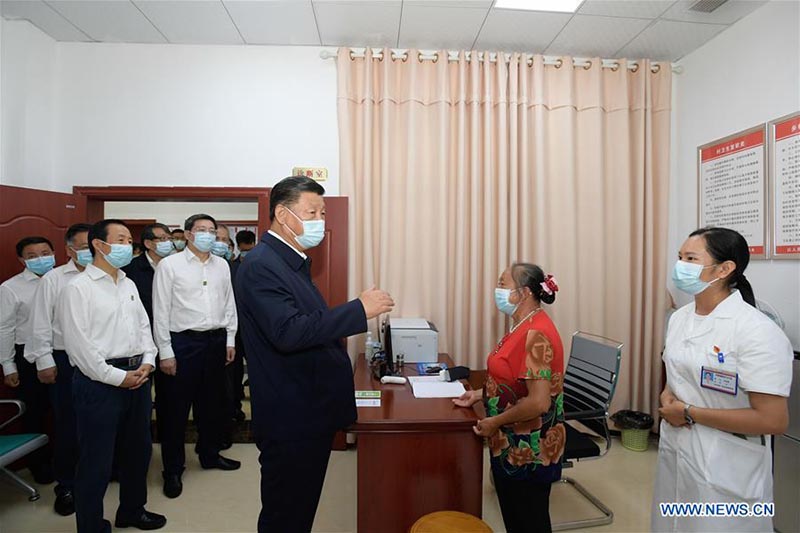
x: 591, y: 375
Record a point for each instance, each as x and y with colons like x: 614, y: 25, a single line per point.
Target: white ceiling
x: 655, y: 29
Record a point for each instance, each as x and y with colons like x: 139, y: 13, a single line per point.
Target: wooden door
x: 329, y: 259
x: 32, y: 212
x: 27, y: 212
x: 136, y: 226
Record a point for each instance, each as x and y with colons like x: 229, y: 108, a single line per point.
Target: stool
x: 450, y: 522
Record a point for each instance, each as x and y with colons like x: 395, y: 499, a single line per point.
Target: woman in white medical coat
x: 728, y: 376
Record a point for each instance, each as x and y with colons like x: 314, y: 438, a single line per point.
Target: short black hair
x: 189, y: 224
x: 99, y: 230
x: 245, y: 237
x: 75, y: 229
x: 288, y: 191
x: 27, y: 241
x: 148, y: 233
x: 177, y: 230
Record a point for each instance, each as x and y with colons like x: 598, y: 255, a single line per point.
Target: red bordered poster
x: 733, y: 187
x: 784, y: 179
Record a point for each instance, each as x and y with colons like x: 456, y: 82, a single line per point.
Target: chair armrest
x: 584, y: 415
x: 20, y: 410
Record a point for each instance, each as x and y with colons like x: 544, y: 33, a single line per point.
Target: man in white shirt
x: 16, y: 298
x: 194, y: 320
x: 46, y: 351
x: 107, y: 336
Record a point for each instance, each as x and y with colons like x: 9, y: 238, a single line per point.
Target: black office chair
x: 589, y: 383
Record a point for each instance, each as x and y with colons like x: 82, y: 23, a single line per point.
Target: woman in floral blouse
x: 524, y: 400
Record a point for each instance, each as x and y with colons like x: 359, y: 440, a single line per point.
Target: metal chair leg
x: 608, y: 514
x: 33, y: 494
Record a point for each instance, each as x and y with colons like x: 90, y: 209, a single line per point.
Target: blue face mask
x: 501, y: 297
x: 220, y: 249
x: 243, y: 254
x: 164, y: 248
x: 41, y: 265
x: 686, y: 277
x: 83, y: 257
x: 180, y: 244
x: 204, y: 241
x: 313, y: 232
x: 120, y: 255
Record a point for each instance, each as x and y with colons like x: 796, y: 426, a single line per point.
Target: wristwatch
x: 686, y: 415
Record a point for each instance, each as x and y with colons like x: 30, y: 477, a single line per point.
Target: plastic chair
x: 15, y: 447
x: 589, y: 384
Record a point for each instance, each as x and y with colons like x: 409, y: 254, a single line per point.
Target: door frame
x: 90, y: 200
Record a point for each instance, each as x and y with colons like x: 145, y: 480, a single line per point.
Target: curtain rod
x: 423, y: 55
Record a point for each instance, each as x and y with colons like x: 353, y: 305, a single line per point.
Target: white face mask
x: 686, y: 277
x: 313, y: 232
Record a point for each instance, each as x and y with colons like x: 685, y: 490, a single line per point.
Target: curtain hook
x: 587, y: 66
x: 530, y: 61
x: 635, y: 67
x: 559, y: 63
x: 352, y: 56
x: 435, y: 57
x: 615, y: 67
x: 655, y: 68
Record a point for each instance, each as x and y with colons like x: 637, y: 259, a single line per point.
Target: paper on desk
x: 368, y: 402
x: 437, y: 389
x: 424, y: 379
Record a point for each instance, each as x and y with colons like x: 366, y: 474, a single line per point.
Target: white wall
x: 27, y: 112
x: 133, y: 114
x: 175, y: 213
x: 746, y: 76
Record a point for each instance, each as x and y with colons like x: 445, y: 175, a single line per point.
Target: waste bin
x: 635, y: 427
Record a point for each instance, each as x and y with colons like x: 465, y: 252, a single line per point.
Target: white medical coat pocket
x: 738, y: 467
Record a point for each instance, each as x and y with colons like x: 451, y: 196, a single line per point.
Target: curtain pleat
x: 456, y: 169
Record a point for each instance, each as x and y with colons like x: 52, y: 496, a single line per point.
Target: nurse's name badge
x: 719, y: 380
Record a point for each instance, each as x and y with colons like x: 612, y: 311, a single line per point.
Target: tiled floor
x: 228, y: 502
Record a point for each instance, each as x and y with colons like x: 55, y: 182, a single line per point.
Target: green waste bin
x: 635, y: 427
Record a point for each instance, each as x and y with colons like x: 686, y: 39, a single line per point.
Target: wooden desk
x: 415, y: 456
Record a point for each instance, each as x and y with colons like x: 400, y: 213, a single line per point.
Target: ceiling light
x: 561, y: 6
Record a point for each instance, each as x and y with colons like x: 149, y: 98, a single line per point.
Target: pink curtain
x: 456, y: 169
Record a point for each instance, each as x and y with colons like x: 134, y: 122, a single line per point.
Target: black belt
x: 744, y: 437
x: 126, y: 363
x: 195, y: 333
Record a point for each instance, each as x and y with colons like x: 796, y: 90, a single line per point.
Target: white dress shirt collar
x: 28, y: 275
x: 70, y: 266
x: 97, y: 273
x: 191, y: 256
x: 150, y: 260
x: 301, y: 254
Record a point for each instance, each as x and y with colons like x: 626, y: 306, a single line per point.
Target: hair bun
x: 549, y: 285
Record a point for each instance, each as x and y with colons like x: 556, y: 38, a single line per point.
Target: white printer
x: 415, y: 338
